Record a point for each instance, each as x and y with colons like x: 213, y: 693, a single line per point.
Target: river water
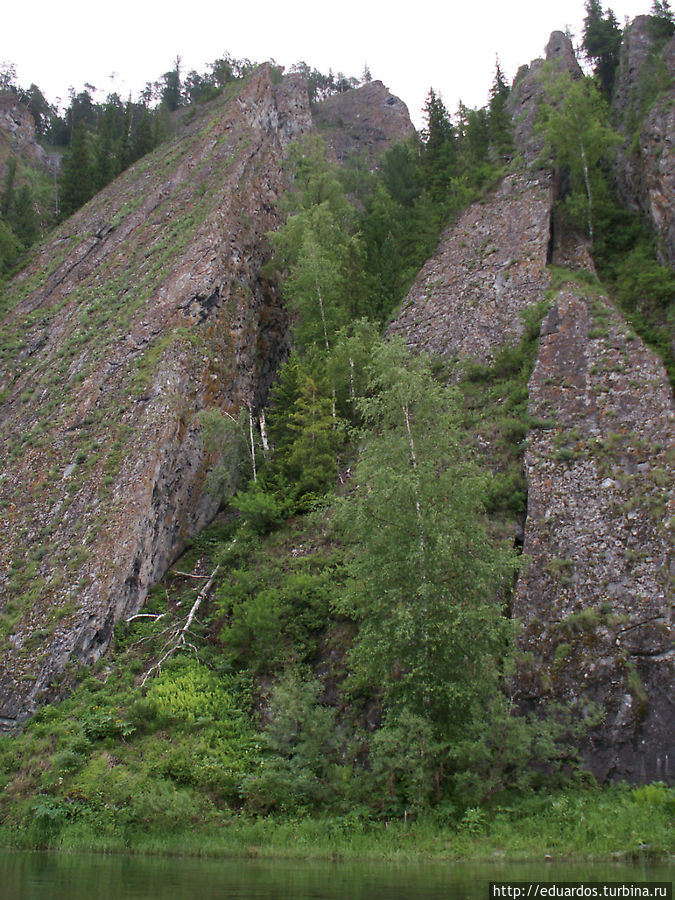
x: 65, y: 876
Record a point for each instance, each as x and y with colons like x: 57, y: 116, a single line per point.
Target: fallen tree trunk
x: 177, y: 637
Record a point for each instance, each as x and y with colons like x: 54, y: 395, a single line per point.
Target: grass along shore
x: 613, y: 823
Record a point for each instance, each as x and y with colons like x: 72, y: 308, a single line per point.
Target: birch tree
x: 580, y: 142
x: 424, y: 577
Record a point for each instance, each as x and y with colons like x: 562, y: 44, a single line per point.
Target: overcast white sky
x: 409, y: 46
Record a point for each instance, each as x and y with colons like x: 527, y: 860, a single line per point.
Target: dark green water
x: 54, y: 876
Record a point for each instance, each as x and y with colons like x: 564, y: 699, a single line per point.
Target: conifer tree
x: 602, y: 43
x: 309, y: 464
x: 172, y: 89
x: 439, y: 156
x: 663, y: 20
x: 500, y: 128
x: 78, y: 182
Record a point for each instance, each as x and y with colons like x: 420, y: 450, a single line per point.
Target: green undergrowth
x: 617, y: 822
x: 250, y: 723
x: 497, y: 417
x: 248, y: 741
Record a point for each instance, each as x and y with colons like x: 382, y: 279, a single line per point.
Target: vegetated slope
x: 143, y: 310
x: 596, y: 587
x: 28, y: 182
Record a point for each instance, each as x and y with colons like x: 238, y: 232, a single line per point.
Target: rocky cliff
x: 366, y: 120
x: 644, y: 112
x: 488, y: 267
x: 595, y: 593
x: 492, y: 263
x: 142, y: 311
x: 18, y: 138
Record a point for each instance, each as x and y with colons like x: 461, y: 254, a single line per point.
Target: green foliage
x: 646, y: 292
x: 10, y: 248
x: 602, y: 43
x: 225, y: 440
x: 625, y: 256
x: 78, y: 183
x: 503, y: 749
x: 400, y: 609
x: 655, y: 795
x: 663, y: 20
x: 439, y: 150
x: 304, y: 429
x: 309, y: 463
x: 406, y: 759
x: 495, y: 398
x: 302, y: 766
x: 498, y: 120
x: 274, y: 609
x: 26, y: 210
x: 261, y: 509
x: 318, y: 249
x: 421, y: 568
x: 347, y: 365
x: 580, y: 142
x: 187, y: 693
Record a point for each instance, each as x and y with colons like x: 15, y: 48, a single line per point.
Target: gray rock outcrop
x: 145, y: 310
x: 596, y: 591
x: 643, y: 110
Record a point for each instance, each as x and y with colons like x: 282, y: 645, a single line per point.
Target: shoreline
x: 316, y: 840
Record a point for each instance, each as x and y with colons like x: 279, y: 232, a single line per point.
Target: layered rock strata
x: 596, y: 593
x: 144, y: 309
x: 643, y: 109
x: 144, y: 312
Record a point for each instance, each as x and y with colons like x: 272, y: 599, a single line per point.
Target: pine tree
x: 663, y: 20
x: 172, y: 89
x: 78, y: 183
x: 309, y: 463
x: 602, y: 43
x: 439, y: 153
x: 142, y: 139
x: 107, y: 159
x: 500, y: 127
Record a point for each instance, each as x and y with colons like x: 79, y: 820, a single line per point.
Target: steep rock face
x: 529, y: 90
x: 18, y: 138
x: 492, y: 262
x: 596, y: 594
x: 366, y: 120
x: 488, y: 267
x: 644, y: 111
x: 145, y: 308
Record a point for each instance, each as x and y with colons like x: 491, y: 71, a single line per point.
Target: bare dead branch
x: 178, y: 640
x: 188, y: 574
x: 155, y: 618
